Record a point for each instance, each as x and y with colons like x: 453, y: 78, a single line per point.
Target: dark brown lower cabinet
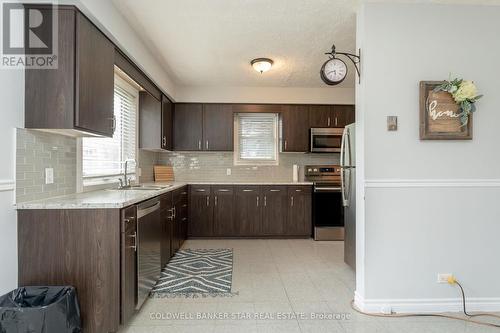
x: 274, y: 210
x: 224, y: 223
x: 247, y: 211
x: 128, y: 264
x: 76, y: 247
x: 200, y: 211
x: 180, y: 204
x: 299, y: 212
x: 250, y: 211
x: 166, y: 213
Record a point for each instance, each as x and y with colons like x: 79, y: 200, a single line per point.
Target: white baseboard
x: 7, y: 185
x: 432, y: 305
x: 408, y: 183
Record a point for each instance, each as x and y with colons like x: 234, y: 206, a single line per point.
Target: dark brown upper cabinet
x: 346, y: 113
x: 321, y: 116
x: 188, y: 127
x: 218, y: 127
x: 77, y: 97
x: 207, y: 127
x: 295, y: 124
x: 331, y: 115
x: 155, y: 122
x: 150, y: 122
x: 166, y: 119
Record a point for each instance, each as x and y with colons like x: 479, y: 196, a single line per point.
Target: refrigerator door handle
x: 342, y: 149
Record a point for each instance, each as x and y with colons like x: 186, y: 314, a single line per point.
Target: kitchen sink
x: 141, y: 188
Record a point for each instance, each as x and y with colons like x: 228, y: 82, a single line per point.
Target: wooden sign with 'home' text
x: 440, y: 115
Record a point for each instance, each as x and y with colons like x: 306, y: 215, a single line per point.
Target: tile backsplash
x: 36, y: 151
x: 196, y: 166
x: 147, y: 159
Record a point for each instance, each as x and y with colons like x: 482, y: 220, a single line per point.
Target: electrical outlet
x: 228, y: 172
x: 139, y: 172
x: 49, y: 176
x: 443, y: 277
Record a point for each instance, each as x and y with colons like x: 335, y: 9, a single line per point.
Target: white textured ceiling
x: 211, y: 42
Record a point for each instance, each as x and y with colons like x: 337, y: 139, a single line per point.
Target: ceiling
x: 211, y: 42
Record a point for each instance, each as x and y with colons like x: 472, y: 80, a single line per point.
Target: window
x: 102, y: 158
x: 256, y: 139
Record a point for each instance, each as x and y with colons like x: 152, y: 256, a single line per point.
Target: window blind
x: 103, y: 157
x: 257, y: 137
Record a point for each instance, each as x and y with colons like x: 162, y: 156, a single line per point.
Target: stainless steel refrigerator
x: 348, y: 177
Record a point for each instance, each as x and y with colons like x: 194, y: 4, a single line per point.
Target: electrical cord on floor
x: 469, y: 319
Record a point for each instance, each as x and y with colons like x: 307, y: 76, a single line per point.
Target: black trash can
x: 40, y: 310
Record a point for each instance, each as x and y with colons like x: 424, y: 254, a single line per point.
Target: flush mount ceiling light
x: 262, y: 65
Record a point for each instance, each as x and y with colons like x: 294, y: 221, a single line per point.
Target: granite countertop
x: 109, y: 198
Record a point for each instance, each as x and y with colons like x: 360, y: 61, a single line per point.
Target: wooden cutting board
x: 163, y: 173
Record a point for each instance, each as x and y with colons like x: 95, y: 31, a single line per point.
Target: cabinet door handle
x: 247, y: 190
x: 257, y: 201
x: 129, y: 219
x: 134, y: 236
x: 328, y: 121
x: 184, y: 219
x: 175, y: 212
x: 265, y: 201
x: 215, y: 200
x: 199, y: 144
x: 292, y: 201
x: 185, y: 205
x: 298, y: 190
x: 275, y: 190
x: 336, y: 121
x: 200, y: 190
x: 222, y: 190
x: 206, y: 144
x: 208, y: 200
x: 286, y: 144
x: 164, y: 141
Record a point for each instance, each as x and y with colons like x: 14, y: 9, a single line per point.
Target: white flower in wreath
x: 466, y: 91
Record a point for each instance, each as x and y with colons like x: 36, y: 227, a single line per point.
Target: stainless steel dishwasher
x: 148, y: 248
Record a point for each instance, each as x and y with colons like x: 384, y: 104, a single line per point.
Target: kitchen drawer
x: 200, y: 189
x: 299, y: 189
x: 180, y: 194
x: 274, y: 189
x: 222, y: 189
x: 129, y: 219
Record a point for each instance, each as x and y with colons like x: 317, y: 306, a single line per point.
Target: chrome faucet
x: 125, y: 182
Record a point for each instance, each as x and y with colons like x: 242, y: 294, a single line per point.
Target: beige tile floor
x: 281, y: 277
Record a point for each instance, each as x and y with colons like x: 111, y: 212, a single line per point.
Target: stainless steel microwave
x: 326, y: 140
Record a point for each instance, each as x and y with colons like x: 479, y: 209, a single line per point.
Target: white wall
x: 326, y: 95
x: 430, y: 206
x: 12, y: 116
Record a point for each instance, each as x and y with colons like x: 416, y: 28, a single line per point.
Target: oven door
x: 327, y: 206
x: 326, y: 140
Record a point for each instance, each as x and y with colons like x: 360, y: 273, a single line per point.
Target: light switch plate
x: 392, y: 123
x: 228, y: 172
x: 49, y: 176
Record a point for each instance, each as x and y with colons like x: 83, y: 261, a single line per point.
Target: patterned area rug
x: 197, y: 273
